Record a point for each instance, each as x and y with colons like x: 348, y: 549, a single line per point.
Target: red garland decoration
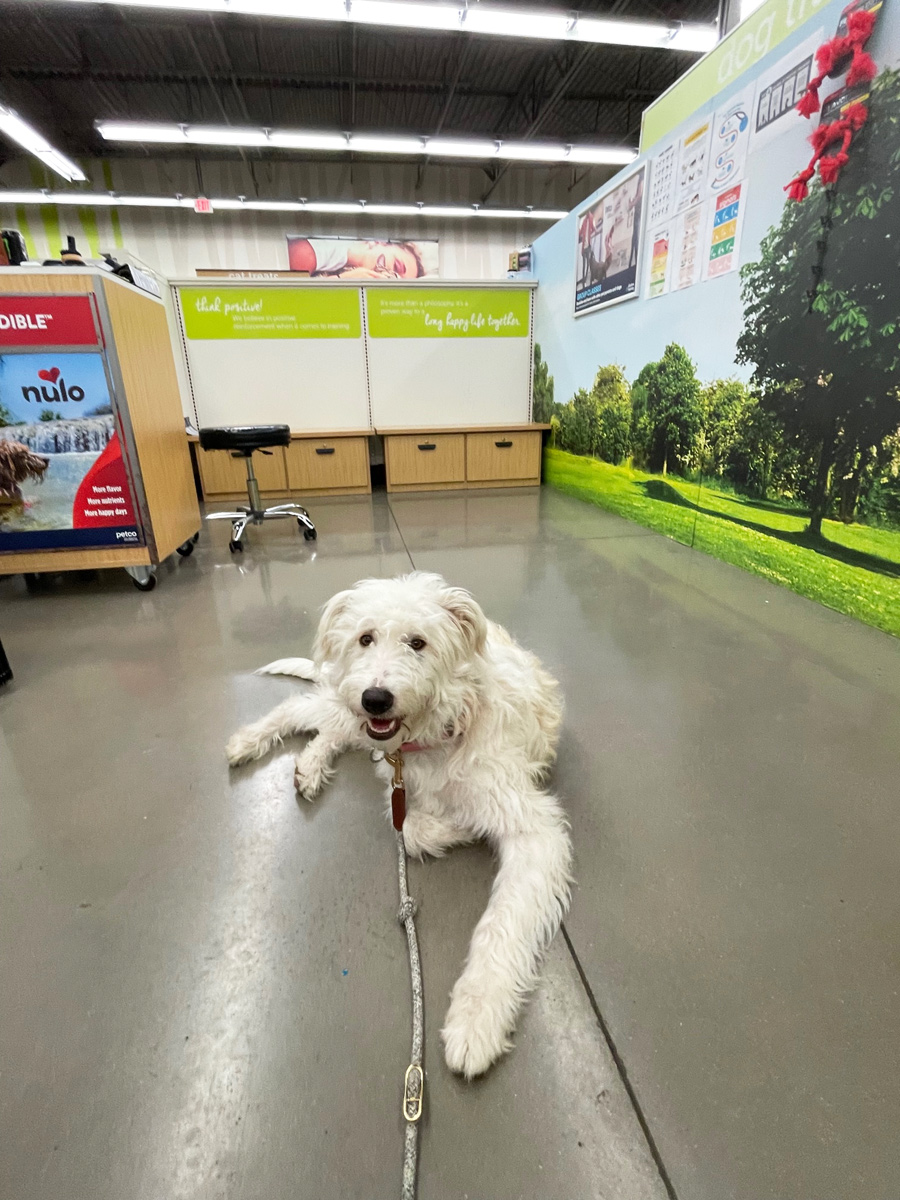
x: 844, y: 52
x: 830, y: 59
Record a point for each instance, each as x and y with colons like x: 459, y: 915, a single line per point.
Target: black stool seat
x: 244, y: 438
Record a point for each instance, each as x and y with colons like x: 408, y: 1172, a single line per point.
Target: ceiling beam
x: 81, y: 74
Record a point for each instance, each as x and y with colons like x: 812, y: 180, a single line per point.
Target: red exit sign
x: 47, y: 321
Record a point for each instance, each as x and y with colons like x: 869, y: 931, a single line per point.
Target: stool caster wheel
x: 196, y: 538
x: 145, y: 585
x: 310, y: 535
x: 235, y: 547
x: 187, y: 549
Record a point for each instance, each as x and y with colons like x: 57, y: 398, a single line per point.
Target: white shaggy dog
x: 412, y: 663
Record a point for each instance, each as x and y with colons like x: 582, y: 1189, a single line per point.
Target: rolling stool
x: 243, y: 441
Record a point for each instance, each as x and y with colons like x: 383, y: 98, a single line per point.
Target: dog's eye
x: 417, y: 643
x: 366, y: 639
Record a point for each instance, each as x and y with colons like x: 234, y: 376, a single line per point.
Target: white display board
x: 449, y: 355
x: 276, y: 355
x: 331, y: 356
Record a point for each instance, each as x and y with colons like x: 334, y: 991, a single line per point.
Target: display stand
x: 118, y: 419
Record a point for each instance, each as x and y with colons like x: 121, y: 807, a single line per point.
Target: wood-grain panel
x: 144, y: 351
x: 425, y: 459
x: 494, y: 456
x: 73, y: 560
x: 319, y: 464
x: 222, y: 475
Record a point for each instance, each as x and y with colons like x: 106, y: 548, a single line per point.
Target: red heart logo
x: 52, y: 375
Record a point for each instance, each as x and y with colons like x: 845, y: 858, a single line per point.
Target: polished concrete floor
x: 203, y: 988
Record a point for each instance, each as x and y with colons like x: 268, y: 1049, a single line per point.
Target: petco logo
x: 56, y: 394
x: 25, y: 320
x: 126, y: 535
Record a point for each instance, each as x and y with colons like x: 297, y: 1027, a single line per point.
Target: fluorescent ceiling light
x: 531, y: 152
x: 379, y: 144
x: 362, y: 143
x: 224, y: 135
x: 287, y: 140
x: 504, y: 23
x: 480, y: 18
x: 19, y: 131
x: 448, y: 147
x: 87, y: 199
x: 608, y: 155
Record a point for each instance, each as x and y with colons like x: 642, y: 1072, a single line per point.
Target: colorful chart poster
x: 730, y: 142
x: 689, y: 261
x: 662, y: 185
x: 395, y: 312
x: 660, y: 252
x: 725, y: 234
x: 609, y: 240
x: 231, y: 313
x: 62, y: 478
x: 692, y: 166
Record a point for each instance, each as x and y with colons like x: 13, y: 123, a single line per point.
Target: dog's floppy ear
x: 467, y: 615
x: 327, y: 642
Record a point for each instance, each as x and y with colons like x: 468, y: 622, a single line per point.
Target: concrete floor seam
x: 622, y: 1070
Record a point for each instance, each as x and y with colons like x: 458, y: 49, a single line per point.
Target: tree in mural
x: 612, y: 398
x: 723, y: 403
x: 829, y: 371
x: 543, y: 406
x: 667, y: 415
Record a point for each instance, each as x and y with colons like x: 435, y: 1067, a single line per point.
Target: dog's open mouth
x: 382, y: 729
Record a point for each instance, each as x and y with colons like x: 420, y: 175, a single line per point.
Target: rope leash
x: 414, y: 1081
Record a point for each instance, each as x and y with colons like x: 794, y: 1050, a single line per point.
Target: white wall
x: 176, y: 242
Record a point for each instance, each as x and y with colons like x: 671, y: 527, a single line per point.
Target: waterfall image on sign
x: 56, y: 419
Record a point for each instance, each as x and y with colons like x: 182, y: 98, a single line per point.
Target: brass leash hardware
x: 413, y: 1091
x: 398, y: 791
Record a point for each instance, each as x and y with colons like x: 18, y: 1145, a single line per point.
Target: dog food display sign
x: 63, y: 482
x: 47, y: 321
x: 609, y: 242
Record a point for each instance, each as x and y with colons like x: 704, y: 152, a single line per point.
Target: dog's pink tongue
x: 380, y: 724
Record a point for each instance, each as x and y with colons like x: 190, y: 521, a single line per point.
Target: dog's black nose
x: 377, y: 701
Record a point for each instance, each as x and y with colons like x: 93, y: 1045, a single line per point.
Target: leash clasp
x: 413, y: 1091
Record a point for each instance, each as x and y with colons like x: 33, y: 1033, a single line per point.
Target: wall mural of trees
x: 811, y: 444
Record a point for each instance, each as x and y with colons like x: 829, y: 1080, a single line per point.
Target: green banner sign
x: 738, y: 52
x: 228, y: 313
x: 398, y: 312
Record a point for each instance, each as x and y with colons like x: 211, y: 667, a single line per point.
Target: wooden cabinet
x: 438, y: 459
x: 314, y: 464
x: 425, y: 461
x: 498, y: 455
x: 332, y: 465
x: 223, y: 475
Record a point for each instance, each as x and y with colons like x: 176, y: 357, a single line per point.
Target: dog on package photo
x: 412, y: 668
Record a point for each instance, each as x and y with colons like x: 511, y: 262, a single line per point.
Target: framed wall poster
x: 608, y: 246
x: 63, y: 480
x: 359, y: 258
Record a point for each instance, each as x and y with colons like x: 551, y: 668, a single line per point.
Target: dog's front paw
x: 242, y: 747
x: 308, y: 778
x: 474, y: 1033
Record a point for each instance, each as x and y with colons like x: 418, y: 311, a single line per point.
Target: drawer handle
x: 324, y: 449
x: 427, y: 446
x: 503, y: 445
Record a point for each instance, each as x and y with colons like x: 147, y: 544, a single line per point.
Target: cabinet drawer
x: 314, y: 465
x: 426, y: 458
x: 503, y: 456
x: 223, y: 475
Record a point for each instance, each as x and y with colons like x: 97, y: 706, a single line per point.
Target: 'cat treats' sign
x: 47, y: 321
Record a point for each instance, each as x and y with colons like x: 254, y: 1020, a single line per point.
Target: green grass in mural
x: 854, y: 568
